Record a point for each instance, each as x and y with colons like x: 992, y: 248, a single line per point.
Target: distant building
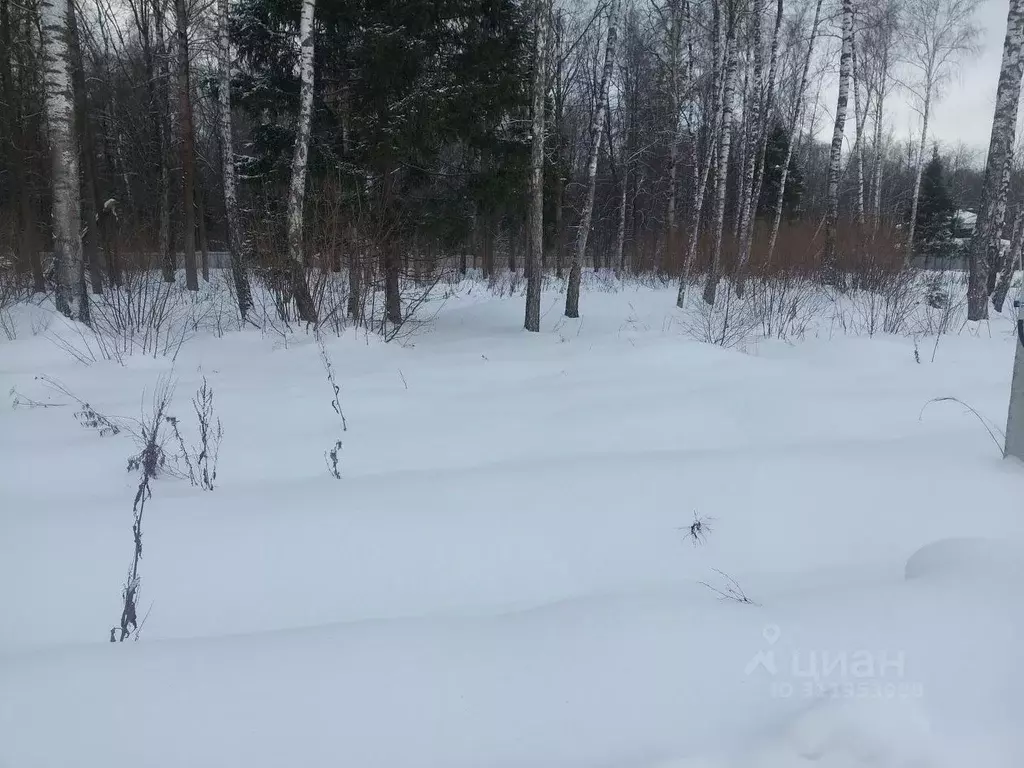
x: 963, y: 224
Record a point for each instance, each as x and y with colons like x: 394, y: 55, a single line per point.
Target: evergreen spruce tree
x: 774, y: 156
x: 935, y: 209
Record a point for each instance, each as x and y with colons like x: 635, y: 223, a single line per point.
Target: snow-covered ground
x: 504, y: 576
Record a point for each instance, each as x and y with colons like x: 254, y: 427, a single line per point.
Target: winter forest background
x: 348, y: 155
x: 504, y: 383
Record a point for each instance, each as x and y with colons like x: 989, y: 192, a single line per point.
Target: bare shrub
x: 729, y: 323
x: 200, y: 458
x: 785, y: 305
x: 86, y: 415
x: 148, y: 462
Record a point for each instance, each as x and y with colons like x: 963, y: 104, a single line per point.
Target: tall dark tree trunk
x: 158, y: 79
x: 188, y: 149
x: 539, y: 91
x: 87, y: 155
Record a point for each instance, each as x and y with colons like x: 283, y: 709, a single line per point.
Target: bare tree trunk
x: 71, y: 296
x: 235, y: 238
x: 747, y: 231
x: 1011, y: 262
x: 755, y: 130
x: 533, y: 285
x: 572, y: 294
x: 835, y: 155
x: 678, y: 77
x: 204, y: 247
x: 87, y: 154
x: 918, y: 172
x: 724, y: 143
x: 700, y: 185
x: 876, y: 189
x: 188, y: 150
x: 297, y: 190
x: 988, y: 229
x: 794, y: 127
x: 858, y: 122
x: 161, y: 113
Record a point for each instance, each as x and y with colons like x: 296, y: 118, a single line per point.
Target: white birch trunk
x: 987, y: 231
x: 918, y: 171
x: 701, y: 184
x: 297, y: 190
x: 747, y: 232
x: 70, y: 294
x: 858, y: 122
x: 724, y: 146
x: 235, y: 238
x: 572, y: 294
x: 835, y: 154
x: 539, y: 91
x: 794, y: 127
x: 754, y: 132
x: 876, y: 188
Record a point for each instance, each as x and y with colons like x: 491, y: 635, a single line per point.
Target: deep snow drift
x: 504, y: 575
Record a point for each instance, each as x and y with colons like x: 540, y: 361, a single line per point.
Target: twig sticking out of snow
x: 991, y: 428
x: 730, y: 589
x: 331, y: 456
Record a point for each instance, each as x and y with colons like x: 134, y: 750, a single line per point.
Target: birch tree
x: 724, y: 146
x: 835, y: 154
x: 70, y: 294
x: 700, y: 183
x: 542, y: 20
x: 988, y: 228
x: 672, y: 18
x: 859, y: 118
x: 794, y: 126
x: 757, y: 160
x: 235, y: 238
x: 938, y: 33
x: 597, y: 122
x: 300, y: 157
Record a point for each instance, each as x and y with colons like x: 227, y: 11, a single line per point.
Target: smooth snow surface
x: 503, y: 576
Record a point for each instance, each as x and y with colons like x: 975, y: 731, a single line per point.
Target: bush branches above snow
x: 147, y: 463
x: 332, y: 456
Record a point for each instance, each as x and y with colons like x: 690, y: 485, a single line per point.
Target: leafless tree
x: 937, y: 35
x: 597, y: 125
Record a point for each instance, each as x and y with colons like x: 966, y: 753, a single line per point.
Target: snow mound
x: 966, y: 557
x: 843, y: 733
x: 887, y: 733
